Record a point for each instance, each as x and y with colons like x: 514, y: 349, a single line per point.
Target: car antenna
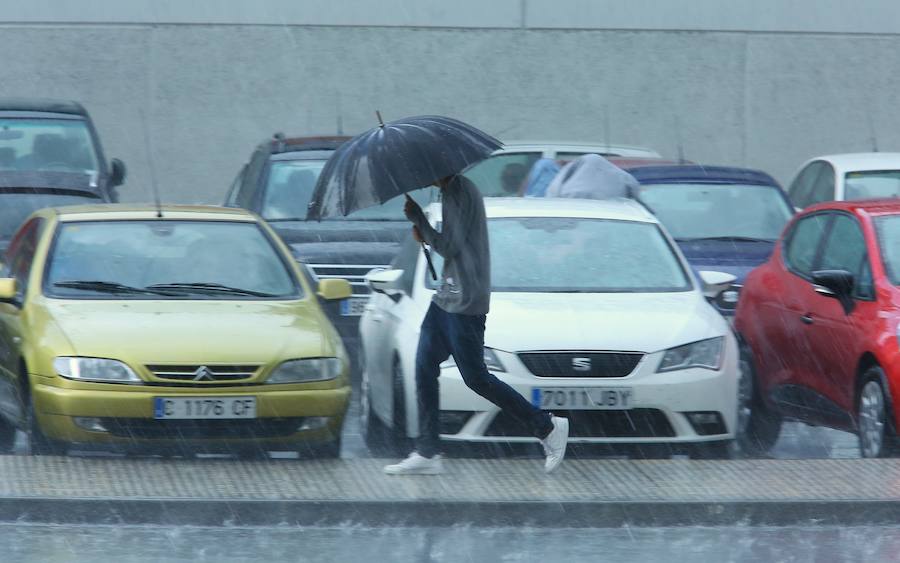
x: 679, y: 144
x: 340, y: 117
x: 606, y: 125
x: 278, y: 139
x: 153, y: 184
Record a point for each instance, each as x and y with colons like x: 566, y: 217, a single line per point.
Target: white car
x: 503, y: 173
x: 846, y: 177
x: 595, y: 315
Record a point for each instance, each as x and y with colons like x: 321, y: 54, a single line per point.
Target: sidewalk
x: 496, y: 492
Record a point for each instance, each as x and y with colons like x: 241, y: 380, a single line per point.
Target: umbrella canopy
x: 395, y: 158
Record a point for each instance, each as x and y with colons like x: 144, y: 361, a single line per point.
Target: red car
x: 818, y: 324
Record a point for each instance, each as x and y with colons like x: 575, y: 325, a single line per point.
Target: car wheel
x: 757, y: 426
x: 875, y: 436
x: 7, y: 435
x: 38, y: 443
x: 397, y: 438
x: 712, y: 450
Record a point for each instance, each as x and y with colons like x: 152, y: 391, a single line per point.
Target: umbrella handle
x: 428, y: 260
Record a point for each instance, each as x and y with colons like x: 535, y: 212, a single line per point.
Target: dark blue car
x: 723, y: 218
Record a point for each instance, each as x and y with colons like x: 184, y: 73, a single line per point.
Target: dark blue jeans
x: 462, y: 336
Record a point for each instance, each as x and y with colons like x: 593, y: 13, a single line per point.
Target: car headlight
x: 304, y: 371
x: 702, y: 354
x: 94, y: 369
x: 490, y: 360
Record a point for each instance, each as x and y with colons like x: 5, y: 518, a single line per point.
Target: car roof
x: 118, y: 212
x: 685, y: 173
x: 42, y: 105
x: 587, y: 148
x: 612, y: 209
x: 886, y: 206
x: 862, y: 161
x: 278, y: 143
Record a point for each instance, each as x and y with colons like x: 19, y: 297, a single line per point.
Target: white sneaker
x: 415, y: 464
x: 555, y: 443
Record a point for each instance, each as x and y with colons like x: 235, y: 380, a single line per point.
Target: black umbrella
x: 395, y: 158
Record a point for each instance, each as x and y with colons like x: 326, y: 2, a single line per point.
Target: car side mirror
x: 117, y: 172
x: 838, y: 284
x: 386, y: 282
x: 8, y: 290
x: 333, y: 288
x: 715, y: 283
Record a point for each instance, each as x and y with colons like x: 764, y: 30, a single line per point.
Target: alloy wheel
x: 871, y: 420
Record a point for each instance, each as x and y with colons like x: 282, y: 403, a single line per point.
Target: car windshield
x: 566, y: 255
x: 872, y: 184
x: 888, y: 229
x: 62, y: 145
x: 15, y: 207
x: 711, y: 211
x: 290, y: 187
x: 167, y: 259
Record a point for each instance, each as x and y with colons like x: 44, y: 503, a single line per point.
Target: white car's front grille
x: 581, y: 364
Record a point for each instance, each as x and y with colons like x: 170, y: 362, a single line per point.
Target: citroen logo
x: 581, y: 364
x: 203, y: 373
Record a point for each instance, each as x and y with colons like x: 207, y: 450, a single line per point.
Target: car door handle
x: 806, y: 319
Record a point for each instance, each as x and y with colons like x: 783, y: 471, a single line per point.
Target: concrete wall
x: 764, y: 84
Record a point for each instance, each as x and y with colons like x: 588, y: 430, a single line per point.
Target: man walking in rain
x: 454, y: 326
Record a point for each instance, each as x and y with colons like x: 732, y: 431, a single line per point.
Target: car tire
x: 329, y: 450
x: 8, y: 432
x: 38, y: 442
x: 876, y: 434
x: 758, y: 427
x: 398, y: 441
x: 373, y: 430
x: 712, y: 450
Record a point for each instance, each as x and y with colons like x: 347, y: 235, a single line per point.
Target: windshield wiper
x: 726, y: 239
x: 209, y: 288
x: 110, y: 287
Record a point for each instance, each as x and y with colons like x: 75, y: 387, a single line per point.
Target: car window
x: 800, y: 190
x: 503, y: 174
x: 20, y: 255
x: 845, y: 247
x: 568, y: 255
x: 234, y: 190
x: 63, y: 145
x: 703, y: 211
x: 872, y: 184
x: 214, y: 254
x: 247, y: 195
x: 804, y: 241
x: 823, y: 187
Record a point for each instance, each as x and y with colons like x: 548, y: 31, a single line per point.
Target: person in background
x: 513, y: 177
x: 542, y: 173
x: 593, y: 177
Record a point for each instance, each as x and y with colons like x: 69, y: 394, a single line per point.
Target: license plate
x: 204, y: 407
x: 583, y: 398
x: 354, y: 306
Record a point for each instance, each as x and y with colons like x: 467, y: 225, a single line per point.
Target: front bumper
x: 662, y: 412
x: 284, y: 416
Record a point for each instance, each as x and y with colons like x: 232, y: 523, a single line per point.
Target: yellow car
x: 191, y: 327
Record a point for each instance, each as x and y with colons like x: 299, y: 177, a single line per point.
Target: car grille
x: 148, y: 429
x: 634, y: 423
x: 581, y: 364
x: 196, y: 372
x: 353, y: 273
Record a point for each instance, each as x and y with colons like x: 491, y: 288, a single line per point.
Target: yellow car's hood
x: 149, y: 332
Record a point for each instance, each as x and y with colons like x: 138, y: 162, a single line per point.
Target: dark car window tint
x: 845, y: 249
x: 503, y: 174
x: 247, y: 194
x: 800, y: 251
x: 823, y: 187
x: 800, y: 188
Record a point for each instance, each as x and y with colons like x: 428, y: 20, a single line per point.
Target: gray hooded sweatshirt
x: 463, y: 242
x: 592, y: 177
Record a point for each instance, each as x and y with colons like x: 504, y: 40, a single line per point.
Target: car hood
x: 638, y: 322
x: 732, y: 257
x: 148, y: 332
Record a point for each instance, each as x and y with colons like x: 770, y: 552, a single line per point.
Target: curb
x: 428, y: 513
